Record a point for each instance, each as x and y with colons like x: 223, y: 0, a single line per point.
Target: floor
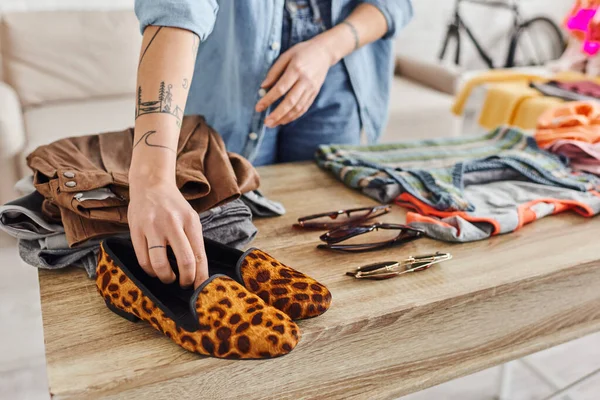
x: 23, y: 375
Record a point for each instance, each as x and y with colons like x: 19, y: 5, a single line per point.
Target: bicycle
x: 554, y: 42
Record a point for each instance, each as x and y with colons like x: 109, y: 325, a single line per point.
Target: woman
x: 269, y: 77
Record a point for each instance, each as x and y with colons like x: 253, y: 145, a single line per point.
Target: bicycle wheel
x: 535, y: 42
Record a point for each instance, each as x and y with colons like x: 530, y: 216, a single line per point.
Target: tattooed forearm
x: 150, y: 43
x: 162, y: 103
x: 354, y: 33
x: 145, y: 138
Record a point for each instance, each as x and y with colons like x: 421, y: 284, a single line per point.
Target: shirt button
x: 69, y: 174
x: 70, y: 184
x: 275, y: 46
x: 262, y: 92
x: 253, y: 136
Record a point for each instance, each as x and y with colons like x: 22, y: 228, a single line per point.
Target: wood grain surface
x: 497, y: 300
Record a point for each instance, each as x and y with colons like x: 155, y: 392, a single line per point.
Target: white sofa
x: 67, y: 73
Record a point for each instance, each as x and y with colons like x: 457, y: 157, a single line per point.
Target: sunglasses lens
x: 378, y: 266
x: 343, y: 232
x: 374, y: 236
x: 335, y: 220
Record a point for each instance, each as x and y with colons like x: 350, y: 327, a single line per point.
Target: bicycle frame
x: 458, y: 23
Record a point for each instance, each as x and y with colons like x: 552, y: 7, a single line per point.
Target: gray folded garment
x: 230, y: 224
x: 262, y: 206
x: 44, y: 245
x: 86, y: 257
x: 23, y: 219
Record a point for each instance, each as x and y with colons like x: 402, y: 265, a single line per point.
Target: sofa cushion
x: 57, y: 121
x: 418, y: 112
x: 70, y: 55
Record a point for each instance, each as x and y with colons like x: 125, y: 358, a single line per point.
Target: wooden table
x: 497, y: 300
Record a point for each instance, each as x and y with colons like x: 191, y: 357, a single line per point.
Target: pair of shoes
x: 278, y: 285
x: 244, y: 310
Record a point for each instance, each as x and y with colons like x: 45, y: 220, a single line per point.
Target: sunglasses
x: 356, y: 238
x: 336, y: 219
x: 391, y: 269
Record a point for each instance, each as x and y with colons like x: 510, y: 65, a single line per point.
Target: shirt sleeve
x: 197, y: 16
x: 397, y: 14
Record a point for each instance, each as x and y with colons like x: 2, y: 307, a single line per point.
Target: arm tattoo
x: 162, y: 104
x: 354, y: 33
x: 149, y: 43
x: 186, y: 83
x: 145, y: 138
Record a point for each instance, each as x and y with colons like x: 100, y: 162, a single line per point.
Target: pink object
x: 581, y: 20
x: 583, y: 156
x: 590, y: 47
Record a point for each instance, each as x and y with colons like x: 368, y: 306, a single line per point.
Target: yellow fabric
x: 503, y: 101
x: 498, y: 75
x: 531, y: 110
x: 573, y: 76
x: 510, y: 100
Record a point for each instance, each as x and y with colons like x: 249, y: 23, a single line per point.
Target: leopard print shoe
x: 219, y: 319
x: 278, y: 285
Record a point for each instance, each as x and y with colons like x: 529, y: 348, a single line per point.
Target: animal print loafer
x: 220, y: 319
x: 286, y: 289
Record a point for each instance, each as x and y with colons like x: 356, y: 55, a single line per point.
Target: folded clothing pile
x: 570, y: 91
x: 79, y: 194
x: 572, y: 130
x: 519, y: 99
x: 468, y: 188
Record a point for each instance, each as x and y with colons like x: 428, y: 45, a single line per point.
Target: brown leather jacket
x: 207, y: 176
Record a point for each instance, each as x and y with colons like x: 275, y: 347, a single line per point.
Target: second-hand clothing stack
x: 79, y: 194
x: 570, y: 91
x: 572, y: 130
x: 468, y: 188
x: 66, y: 171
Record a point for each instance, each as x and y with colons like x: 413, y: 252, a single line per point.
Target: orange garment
x: 577, y: 120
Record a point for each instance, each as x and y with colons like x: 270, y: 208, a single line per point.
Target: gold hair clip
x: 390, y: 269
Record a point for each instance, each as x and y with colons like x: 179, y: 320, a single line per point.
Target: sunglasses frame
x: 391, y: 269
x: 406, y: 235
x: 374, y: 212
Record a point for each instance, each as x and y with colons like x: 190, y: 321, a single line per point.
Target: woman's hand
x: 160, y: 216
x: 299, y: 72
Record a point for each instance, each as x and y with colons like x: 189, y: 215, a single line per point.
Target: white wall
x: 28, y: 5
x: 423, y: 36
x: 421, y: 39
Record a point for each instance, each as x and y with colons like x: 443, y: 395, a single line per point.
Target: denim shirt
x: 240, y: 40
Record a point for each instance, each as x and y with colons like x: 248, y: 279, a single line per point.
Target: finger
x: 277, y: 69
x: 299, y: 109
x: 157, y: 251
x: 287, y: 105
x: 186, y: 262
x: 194, y: 234
x: 283, y: 85
x: 141, y: 251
